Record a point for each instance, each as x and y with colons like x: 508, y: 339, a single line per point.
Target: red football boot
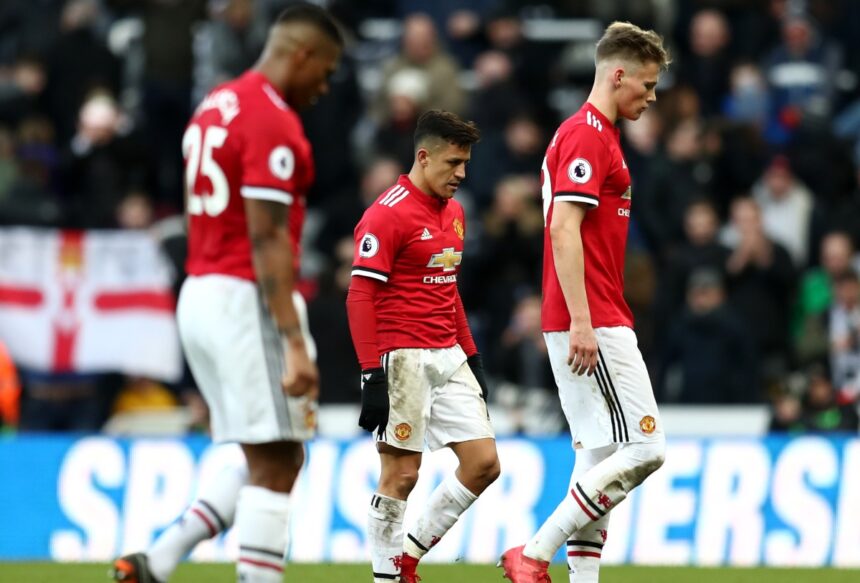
x: 522, y: 569
x: 408, y: 566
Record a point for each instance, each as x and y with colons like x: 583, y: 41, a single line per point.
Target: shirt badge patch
x: 282, y: 163
x: 579, y: 171
x: 647, y: 425
x: 628, y: 194
x: 402, y: 432
x: 458, y: 228
x: 369, y: 246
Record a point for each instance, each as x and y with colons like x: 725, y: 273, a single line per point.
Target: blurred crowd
x: 743, y: 256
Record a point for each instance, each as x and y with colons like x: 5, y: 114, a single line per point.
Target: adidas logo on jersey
x: 592, y: 120
x: 426, y: 235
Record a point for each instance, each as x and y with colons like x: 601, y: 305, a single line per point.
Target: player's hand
x: 477, y: 366
x: 301, y: 377
x: 582, y: 357
x: 374, y: 400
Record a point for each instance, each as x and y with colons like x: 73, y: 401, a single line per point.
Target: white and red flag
x: 88, y: 301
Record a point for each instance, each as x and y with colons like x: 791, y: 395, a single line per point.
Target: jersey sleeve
x: 376, y: 243
x: 271, y: 158
x: 581, y: 166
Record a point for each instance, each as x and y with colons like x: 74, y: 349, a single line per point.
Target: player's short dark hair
x: 628, y: 41
x: 447, y: 126
x: 313, y: 15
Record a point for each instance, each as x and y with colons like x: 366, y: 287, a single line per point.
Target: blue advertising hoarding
x: 744, y: 501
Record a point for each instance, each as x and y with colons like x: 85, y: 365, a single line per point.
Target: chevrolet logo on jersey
x: 448, y: 259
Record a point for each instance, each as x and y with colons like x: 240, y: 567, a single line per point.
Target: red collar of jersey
x: 263, y: 80
x: 428, y: 200
x: 599, y: 114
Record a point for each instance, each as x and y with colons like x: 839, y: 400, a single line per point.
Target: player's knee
x: 401, y: 481
x: 490, y: 470
x: 646, y: 459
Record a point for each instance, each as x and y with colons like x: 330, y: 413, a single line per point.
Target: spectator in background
x: 845, y: 333
x: 78, y: 62
x: 330, y: 328
x: 408, y: 93
x: 706, y: 69
x: 710, y: 356
x: 22, y: 90
x: 810, y: 404
x: 343, y: 210
x: 422, y: 53
x: 786, y: 206
x: 31, y: 198
x: 508, y: 259
x: 497, y: 97
x: 815, y: 296
x: 802, y: 72
x: 673, y: 180
x: 701, y: 249
x: 761, y: 279
x: 226, y: 45
x: 504, y: 32
x: 166, y: 85
x: 525, y: 375
x: 104, y: 160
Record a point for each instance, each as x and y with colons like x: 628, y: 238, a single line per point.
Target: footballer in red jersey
x: 248, y: 168
x: 422, y: 377
x: 602, y: 381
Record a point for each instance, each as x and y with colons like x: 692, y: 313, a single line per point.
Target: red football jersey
x: 584, y: 164
x: 243, y: 141
x: 414, y: 243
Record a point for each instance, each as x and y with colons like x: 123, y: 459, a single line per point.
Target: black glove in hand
x: 477, y: 366
x: 374, y: 400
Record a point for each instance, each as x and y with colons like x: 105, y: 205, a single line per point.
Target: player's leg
x: 458, y: 419
x: 201, y: 301
x: 271, y: 428
x: 262, y: 510
x: 400, y: 447
x: 387, y: 508
x: 585, y: 546
x: 211, y: 513
x: 625, y: 412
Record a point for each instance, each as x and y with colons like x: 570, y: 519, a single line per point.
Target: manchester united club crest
x: 628, y: 194
x: 647, y: 425
x: 458, y: 228
x: 310, y: 418
x: 402, y: 431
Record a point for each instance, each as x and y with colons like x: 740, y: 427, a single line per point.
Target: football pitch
x: 224, y: 573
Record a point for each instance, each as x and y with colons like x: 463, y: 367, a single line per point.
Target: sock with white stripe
x: 385, y: 536
x: 585, y: 546
x: 212, y: 512
x: 449, y: 500
x: 261, y: 525
x: 584, y: 549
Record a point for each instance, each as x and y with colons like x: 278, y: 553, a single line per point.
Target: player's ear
x: 617, y: 76
x: 421, y: 155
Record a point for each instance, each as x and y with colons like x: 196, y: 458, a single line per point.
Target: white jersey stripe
x: 398, y: 198
x: 262, y: 193
x: 391, y: 194
x: 574, y: 198
x: 370, y: 274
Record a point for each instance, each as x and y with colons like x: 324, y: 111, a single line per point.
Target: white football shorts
x: 433, y: 397
x: 237, y: 358
x: 615, y: 404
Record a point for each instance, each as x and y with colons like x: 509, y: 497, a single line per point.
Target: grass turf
x: 224, y: 573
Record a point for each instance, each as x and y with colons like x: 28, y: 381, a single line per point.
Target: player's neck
x: 416, y: 177
x: 270, y: 71
x: 604, y: 103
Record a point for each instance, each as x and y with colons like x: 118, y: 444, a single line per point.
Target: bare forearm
x: 273, y: 265
x: 570, y: 267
